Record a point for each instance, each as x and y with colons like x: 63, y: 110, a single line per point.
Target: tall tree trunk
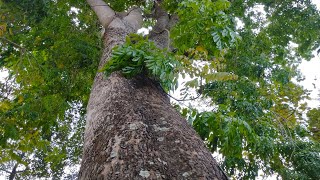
x: 133, y: 132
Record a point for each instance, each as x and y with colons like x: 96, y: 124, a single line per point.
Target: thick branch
x: 134, y: 18
x: 103, y: 11
x: 162, y: 18
x: 160, y: 33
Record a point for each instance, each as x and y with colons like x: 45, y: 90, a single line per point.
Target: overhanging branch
x: 103, y: 11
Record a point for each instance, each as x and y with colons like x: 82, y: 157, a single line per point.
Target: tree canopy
x: 239, y: 57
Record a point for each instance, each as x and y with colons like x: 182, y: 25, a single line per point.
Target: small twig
x: 288, y: 136
x: 14, y: 44
x: 191, y: 99
x: 289, y: 115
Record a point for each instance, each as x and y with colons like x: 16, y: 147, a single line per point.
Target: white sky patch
x: 74, y: 10
x: 260, y: 16
x: 240, y: 23
x: 317, y: 3
x: 144, y: 31
x: 311, y: 71
x: 3, y: 74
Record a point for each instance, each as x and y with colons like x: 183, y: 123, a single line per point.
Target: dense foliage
x: 240, y: 56
x: 138, y: 56
x: 314, y: 123
x: 51, y: 59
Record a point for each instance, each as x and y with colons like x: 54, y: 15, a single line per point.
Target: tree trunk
x: 133, y: 132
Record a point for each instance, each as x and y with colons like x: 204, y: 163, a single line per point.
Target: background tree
x: 52, y: 68
x: 51, y: 50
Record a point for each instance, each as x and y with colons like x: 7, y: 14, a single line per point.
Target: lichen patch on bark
x: 144, y: 173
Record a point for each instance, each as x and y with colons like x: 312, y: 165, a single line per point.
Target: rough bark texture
x: 133, y: 132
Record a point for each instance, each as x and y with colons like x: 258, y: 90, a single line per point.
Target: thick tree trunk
x: 133, y: 132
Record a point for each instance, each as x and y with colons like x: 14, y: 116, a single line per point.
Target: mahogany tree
x: 238, y: 58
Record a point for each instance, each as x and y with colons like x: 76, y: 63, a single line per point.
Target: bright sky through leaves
x: 311, y: 70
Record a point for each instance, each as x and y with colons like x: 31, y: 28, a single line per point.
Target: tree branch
x: 134, y: 18
x: 13, y: 43
x: 103, y: 11
x: 190, y: 99
x: 160, y: 31
x: 161, y: 16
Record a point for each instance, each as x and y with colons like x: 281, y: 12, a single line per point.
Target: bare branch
x: 103, y: 11
x: 162, y: 18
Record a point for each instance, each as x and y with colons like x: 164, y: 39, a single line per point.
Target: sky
x: 311, y: 71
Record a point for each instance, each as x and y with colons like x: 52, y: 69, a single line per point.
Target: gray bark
x: 132, y: 131
x: 105, y: 13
